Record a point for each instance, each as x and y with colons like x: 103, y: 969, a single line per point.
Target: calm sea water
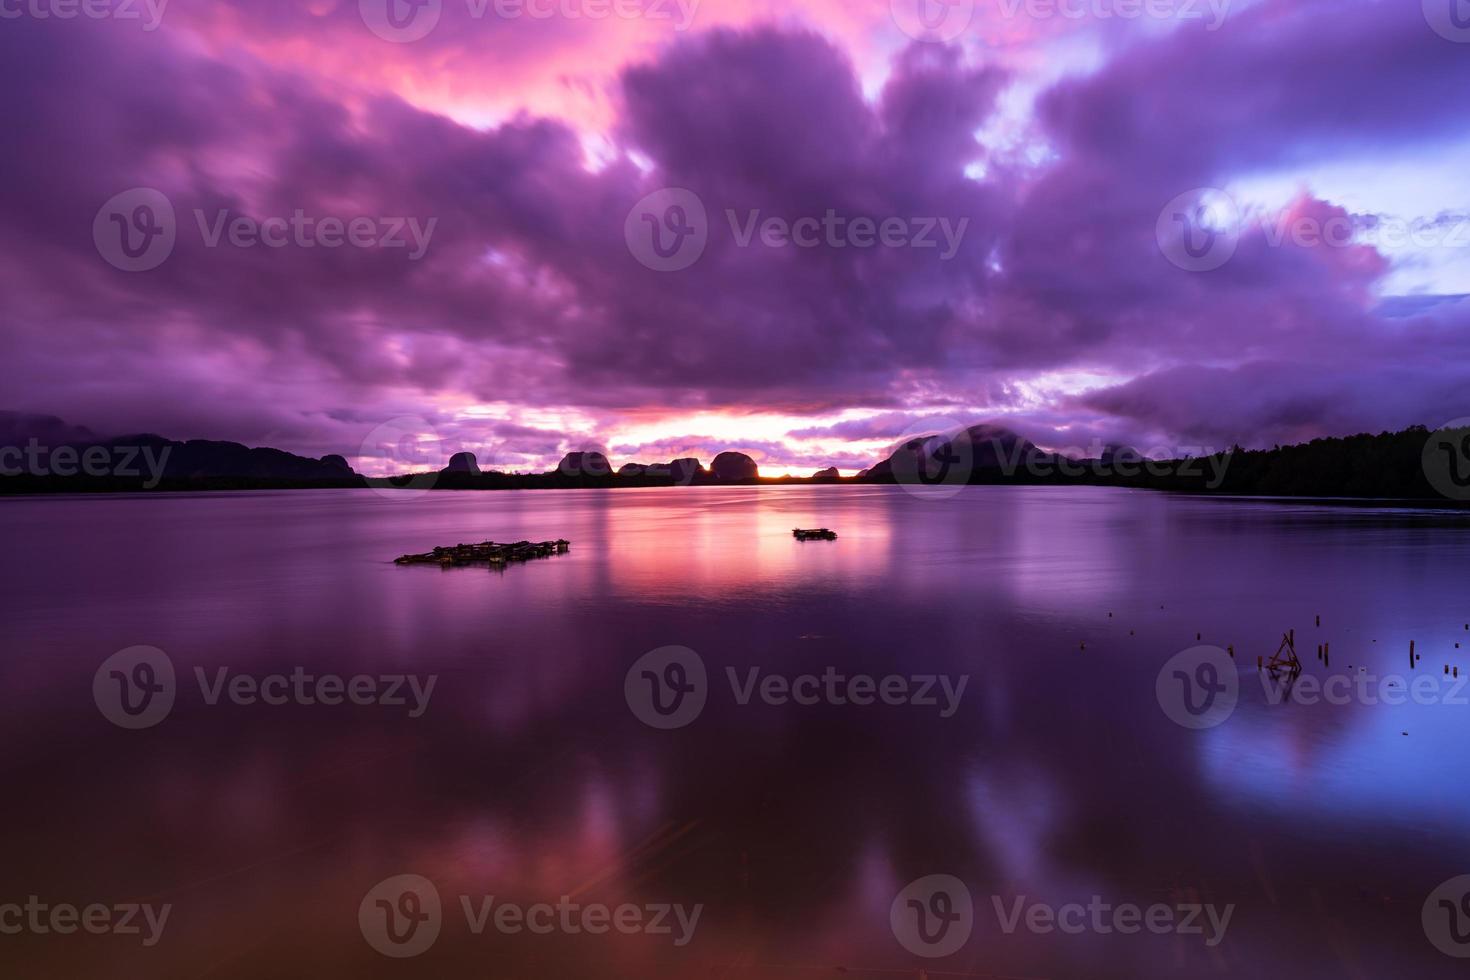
x: 1057, y: 777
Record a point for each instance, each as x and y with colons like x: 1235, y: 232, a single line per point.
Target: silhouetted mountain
x: 463, y: 463
x: 682, y: 471
x: 932, y: 458
x: 19, y: 428
x: 585, y: 464
x: 42, y: 454
x: 732, y: 467
x: 1414, y: 464
x: 201, y: 459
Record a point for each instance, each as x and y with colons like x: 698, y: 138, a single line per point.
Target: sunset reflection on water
x: 793, y: 827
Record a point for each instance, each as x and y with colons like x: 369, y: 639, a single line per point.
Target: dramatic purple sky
x: 1320, y: 293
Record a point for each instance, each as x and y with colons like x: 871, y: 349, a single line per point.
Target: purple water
x: 1058, y: 778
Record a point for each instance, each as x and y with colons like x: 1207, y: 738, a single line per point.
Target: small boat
x: 813, y: 534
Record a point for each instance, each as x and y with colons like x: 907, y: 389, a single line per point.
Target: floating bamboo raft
x: 487, y: 553
x: 813, y: 534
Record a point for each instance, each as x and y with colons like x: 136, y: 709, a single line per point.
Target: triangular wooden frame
x: 1286, y: 658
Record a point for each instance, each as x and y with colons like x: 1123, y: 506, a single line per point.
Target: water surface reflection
x: 1058, y: 779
